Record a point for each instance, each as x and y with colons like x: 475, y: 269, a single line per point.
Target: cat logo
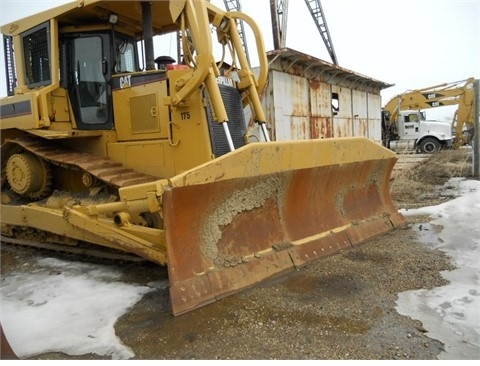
x: 125, y: 81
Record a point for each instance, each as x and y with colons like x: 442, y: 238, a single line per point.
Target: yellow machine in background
x: 100, y: 152
x: 404, y: 125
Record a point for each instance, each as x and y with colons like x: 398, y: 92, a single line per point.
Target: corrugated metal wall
x: 321, y: 110
x: 299, y: 108
x: 374, y: 102
x: 290, y: 98
x: 359, y: 113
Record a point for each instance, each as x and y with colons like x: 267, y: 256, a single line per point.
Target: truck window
x: 412, y: 118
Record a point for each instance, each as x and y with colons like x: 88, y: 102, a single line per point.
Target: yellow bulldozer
x: 104, y: 153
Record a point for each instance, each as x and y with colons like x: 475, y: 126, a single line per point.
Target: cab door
x: 89, y: 76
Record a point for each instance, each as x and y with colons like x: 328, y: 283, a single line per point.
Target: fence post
x: 476, y: 133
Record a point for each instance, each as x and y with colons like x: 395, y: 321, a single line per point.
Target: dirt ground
x: 340, y: 307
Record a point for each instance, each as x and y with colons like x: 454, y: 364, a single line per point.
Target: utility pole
x: 476, y: 131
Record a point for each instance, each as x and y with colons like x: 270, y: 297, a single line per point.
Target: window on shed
x: 335, y: 103
x: 36, y: 53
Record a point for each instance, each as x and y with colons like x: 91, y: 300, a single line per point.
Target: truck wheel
x: 429, y: 145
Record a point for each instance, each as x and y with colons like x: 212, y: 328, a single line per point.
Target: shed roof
x: 290, y: 61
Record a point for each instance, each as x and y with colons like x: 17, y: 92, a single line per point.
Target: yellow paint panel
x: 19, y: 111
x: 145, y: 157
x: 139, y: 110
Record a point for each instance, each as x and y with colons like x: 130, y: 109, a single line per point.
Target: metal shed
x: 308, y: 98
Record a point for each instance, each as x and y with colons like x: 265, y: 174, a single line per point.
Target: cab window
x: 89, y: 76
x: 36, y: 51
x: 124, y: 55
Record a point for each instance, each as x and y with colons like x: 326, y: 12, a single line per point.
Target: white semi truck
x: 405, y: 127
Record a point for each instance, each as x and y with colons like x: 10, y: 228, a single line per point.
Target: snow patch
x: 451, y: 313
x: 66, y: 307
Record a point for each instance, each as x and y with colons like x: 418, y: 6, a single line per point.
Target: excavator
x: 103, y: 154
x: 404, y: 124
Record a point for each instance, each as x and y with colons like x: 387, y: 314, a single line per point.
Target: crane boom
x: 235, y: 5
x: 279, y: 14
x: 319, y: 18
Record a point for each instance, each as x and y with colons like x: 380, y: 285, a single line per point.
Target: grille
x: 236, y: 124
x: 142, y: 114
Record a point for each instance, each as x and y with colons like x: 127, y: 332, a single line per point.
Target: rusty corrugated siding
x: 298, y: 103
x: 375, y: 117
x: 321, y: 127
x: 359, y: 113
x: 342, y: 120
x: 292, y: 109
x: 320, y: 110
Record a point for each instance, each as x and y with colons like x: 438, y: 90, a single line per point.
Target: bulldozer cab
x: 85, y: 71
x: 92, y: 59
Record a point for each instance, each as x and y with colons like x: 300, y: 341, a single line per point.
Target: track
x: 102, y: 168
x: 84, y: 250
x: 96, y: 169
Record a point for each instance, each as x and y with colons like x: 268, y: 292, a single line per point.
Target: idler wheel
x: 28, y: 175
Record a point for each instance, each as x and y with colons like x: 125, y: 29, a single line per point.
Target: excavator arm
x: 458, y: 93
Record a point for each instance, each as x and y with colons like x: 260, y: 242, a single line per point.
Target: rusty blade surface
x: 229, y: 234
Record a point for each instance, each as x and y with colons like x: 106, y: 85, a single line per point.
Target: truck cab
x: 413, y: 132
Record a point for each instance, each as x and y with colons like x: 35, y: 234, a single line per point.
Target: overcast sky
x: 410, y: 43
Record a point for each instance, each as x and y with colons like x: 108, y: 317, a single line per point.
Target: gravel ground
x: 340, y: 307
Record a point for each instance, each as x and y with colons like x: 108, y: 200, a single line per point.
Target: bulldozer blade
x: 269, y: 208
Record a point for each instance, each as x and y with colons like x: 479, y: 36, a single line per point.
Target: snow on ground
x: 64, y: 307
x: 451, y: 313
